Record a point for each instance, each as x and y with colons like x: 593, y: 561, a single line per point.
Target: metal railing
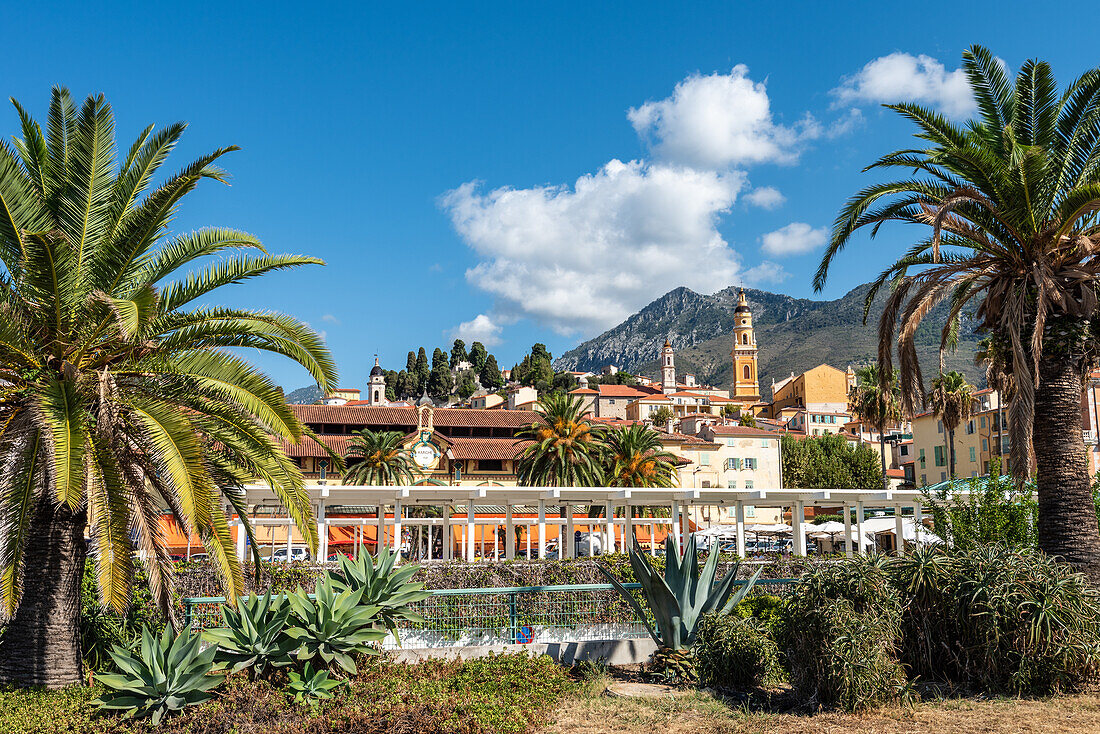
x: 509, y: 615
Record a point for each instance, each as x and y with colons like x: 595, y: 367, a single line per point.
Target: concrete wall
x: 612, y: 652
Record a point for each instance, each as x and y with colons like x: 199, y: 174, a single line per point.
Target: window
x: 972, y: 454
x: 981, y: 421
x: 750, y: 511
x: 985, y: 444
x: 744, y: 338
x: 924, y: 479
x: 748, y: 372
x: 970, y: 427
x: 904, y: 450
x: 751, y: 464
x: 490, y: 465
x: 764, y: 443
x: 941, y: 459
x: 731, y: 484
x: 732, y: 464
x: 748, y: 484
x: 611, y: 401
x: 922, y: 458
x: 731, y: 442
x: 943, y: 476
x: 939, y: 426
x: 973, y: 474
x: 704, y: 459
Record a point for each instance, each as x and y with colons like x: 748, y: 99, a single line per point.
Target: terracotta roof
x: 404, y: 416
x: 740, y: 431
x: 309, y: 447
x: 584, y: 391
x: 687, y: 394
x: 486, y: 448
x: 896, y: 473
x: 622, y: 391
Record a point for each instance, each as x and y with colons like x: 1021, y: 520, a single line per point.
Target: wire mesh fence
x: 510, y: 615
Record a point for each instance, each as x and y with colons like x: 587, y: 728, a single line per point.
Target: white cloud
x: 766, y: 197
x: 482, y: 328
x: 583, y: 258
x: 330, y: 319
x: 902, y: 77
x: 718, y: 121
x: 797, y: 238
x: 765, y: 272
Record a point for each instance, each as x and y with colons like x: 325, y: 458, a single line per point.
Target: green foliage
x: 734, y: 652
x: 254, y: 635
x: 102, y: 628
x: 467, y: 384
x: 458, y: 352
x: 683, y: 594
x: 170, y: 673
x: 768, y: 610
x: 844, y: 623
x: 333, y: 627
x: 660, y: 417
x: 506, y: 694
x: 996, y: 510
x: 535, y: 369
x: 748, y: 419
x: 821, y: 462
x: 381, y: 586
x: 311, y: 685
x: 633, y: 457
x: 999, y: 619
x: 489, y: 376
x: 422, y: 371
x: 440, y: 381
x: 478, y: 356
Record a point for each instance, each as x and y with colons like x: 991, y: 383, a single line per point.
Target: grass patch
x: 504, y: 693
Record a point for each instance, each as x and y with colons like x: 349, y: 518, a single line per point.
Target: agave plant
x: 382, y: 586
x: 254, y: 636
x: 332, y: 627
x: 170, y: 673
x: 310, y: 684
x: 679, y: 599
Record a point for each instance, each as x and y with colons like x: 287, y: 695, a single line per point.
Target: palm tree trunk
x: 882, y: 451
x: 951, y: 454
x: 1067, y: 516
x: 41, y: 644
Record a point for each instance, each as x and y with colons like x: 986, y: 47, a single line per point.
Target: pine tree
x: 439, y: 357
x: 440, y: 381
x: 458, y: 352
x: 422, y: 371
x: 490, y: 377
x: 478, y: 355
x: 410, y: 363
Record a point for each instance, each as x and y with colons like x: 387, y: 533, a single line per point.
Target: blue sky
x: 523, y: 173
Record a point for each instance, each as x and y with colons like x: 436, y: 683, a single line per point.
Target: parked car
x: 333, y: 557
x: 297, y: 554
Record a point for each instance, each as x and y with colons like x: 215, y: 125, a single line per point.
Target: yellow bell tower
x: 746, y: 387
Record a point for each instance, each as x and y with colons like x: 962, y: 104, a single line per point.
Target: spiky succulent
x: 333, y: 627
x: 679, y: 599
x: 254, y: 636
x: 383, y: 586
x: 311, y: 684
x: 170, y: 673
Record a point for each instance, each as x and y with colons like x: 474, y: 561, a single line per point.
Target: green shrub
x: 254, y: 636
x: 843, y: 626
x: 311, y: 685
x: 770, y: 611
x: 333, y: 628
x: 998, y: 619
x: 102, y: 628
x: 733, y: 652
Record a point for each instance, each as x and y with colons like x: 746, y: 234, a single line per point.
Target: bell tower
x: 668, y: 369
x: 746, y: 387
x: 377, y: 395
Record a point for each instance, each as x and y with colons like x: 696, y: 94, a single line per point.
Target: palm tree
x: 118, y: 395
x: 383, y: 460
x: 952, y: 399
x: 1011, y: 201
x: 635, y: 458
x: 565, y: 449
x: 877, y: 404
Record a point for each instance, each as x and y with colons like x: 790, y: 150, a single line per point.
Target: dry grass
x: 591, y: 712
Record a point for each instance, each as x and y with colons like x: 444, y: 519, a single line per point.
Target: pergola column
x: 859, y: 526
x: 448, y: 534
x: 542, y: 529
x: 740, y: 525
x: 322, y: 532
x: 899, y: 531
x: 509, y: 535
x: 609, y: 528
x: 242, y: 538
x: 380, y: 538
x: 798, y: 517
x: 397, y: 529
x: 676, y: 527
x: 566, y: 547
x: 470, y: 526
x: 848, y: 530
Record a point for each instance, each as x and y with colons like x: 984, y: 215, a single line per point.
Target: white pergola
x: 459, y: 519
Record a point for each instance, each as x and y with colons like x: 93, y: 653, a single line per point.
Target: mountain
x: 304, y: 395
x: 792, y: 334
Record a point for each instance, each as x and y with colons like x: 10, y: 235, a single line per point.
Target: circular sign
x: 424, y: 455
x: 525, y: 635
